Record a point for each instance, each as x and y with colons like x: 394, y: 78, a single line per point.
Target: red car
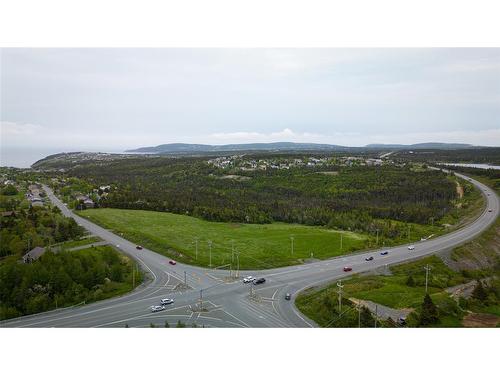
x: 347, y: 269
x: 138, y: 247
x: 172, y: 262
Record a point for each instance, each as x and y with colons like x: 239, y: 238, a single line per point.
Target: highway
x: 229, y: 302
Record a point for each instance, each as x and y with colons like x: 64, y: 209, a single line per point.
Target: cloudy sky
x: 114, y: 99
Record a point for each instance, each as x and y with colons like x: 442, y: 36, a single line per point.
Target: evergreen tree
x: 410, y: 281
x: 366, y: 317
x: 429, y: 312
x: 479, y: 292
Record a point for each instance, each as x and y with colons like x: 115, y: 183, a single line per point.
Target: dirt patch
x: 476, y: 320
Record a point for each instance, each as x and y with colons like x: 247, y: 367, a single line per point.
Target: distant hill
x: 186, y: 148
x: 421, y: 146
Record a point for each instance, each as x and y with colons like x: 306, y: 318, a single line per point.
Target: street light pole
x: 210, y: 253
x: 291, y: 238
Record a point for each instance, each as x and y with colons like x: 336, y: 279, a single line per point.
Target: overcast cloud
x: 114, y: 99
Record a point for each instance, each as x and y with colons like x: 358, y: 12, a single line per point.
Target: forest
x: 63, y: 279
x: 340, y: 197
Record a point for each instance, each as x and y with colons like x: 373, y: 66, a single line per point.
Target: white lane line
x: 239, y: 320
x: 261, y: 312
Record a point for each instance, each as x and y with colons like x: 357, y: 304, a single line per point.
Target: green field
x: 259, y: 245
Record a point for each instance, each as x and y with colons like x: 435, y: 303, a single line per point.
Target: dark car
x: 259, y: 281
x: 288, y: 296
x: 138, y: 247
x: 347, y: 269
x: 172, y: 262
x: 384, y: 252
x: 368, y: 259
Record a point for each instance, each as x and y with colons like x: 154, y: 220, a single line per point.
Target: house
x: 33, y: 254
x: 89, y: 203
x: 80, y: 197
x: 9, y: 214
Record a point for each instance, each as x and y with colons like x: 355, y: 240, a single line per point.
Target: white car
x: 167, y: 301
x: 157, y: 308
x: 411, y: 247
x: 248, y: 279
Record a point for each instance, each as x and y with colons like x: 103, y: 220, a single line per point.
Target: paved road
x: 225, y: 302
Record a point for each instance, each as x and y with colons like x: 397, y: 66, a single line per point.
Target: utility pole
x: 133, y: 277
x: 238, y: 264
x: 340, y: 241
x: 359, y: 314
x: 427, y: 268
x: 291, y: 238
x: 232, y: 251
x: 210, y: 253
x: 377, y: 237
x: 196, y: 247
x: 339, y: 292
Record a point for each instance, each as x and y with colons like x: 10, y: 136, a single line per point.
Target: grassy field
x: 259, y: 245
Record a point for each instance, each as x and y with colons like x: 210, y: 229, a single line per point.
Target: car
x: 423, y: 239
x: 172, y: 262
x: 259, y: 281
x: 138, y: 247
x: 288, y: 296
x: 490, y: 210
x: 347, y: 269
x: 402, y: 320
x: 385, y: 252
x: 248, y: 279
x: 369, y: 258
x: 117, y: 245
x: 157, y: 308
x: 166, y: 301
x: 411, y: 247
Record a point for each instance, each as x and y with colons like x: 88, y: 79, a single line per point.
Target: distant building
x: 33, y: 254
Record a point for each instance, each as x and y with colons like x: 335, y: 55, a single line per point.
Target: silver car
x: 157, y: 308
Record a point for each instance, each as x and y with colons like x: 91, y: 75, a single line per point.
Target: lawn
x: 259, y: 246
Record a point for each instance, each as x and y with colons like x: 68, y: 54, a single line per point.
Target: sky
x: 54, y: 100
